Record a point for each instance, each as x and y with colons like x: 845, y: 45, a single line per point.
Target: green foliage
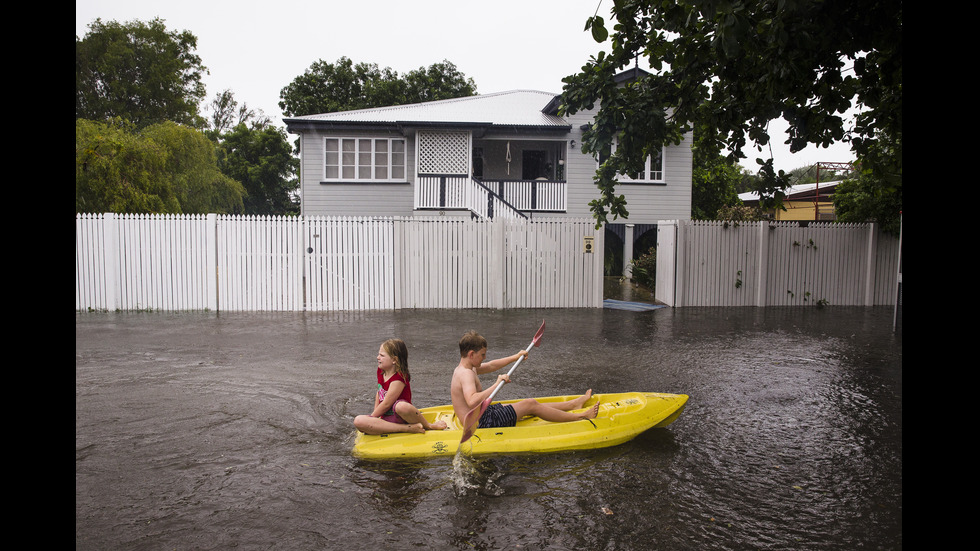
x: 644, y: 269
x: 192, y: 165
x: 165, y: 168
x: 864, y: 199
x: 435, y: 82
x: 815, y: 173
x: 224, y: 113
x: 261, y: 159
x: 118, y: 171
x: 138, y: 71
x: 875, y: 195
x: 715, y: 180
x: 735, y: 66
x: 344, y: 86
x: 740, y: 213
x: 136, y: 145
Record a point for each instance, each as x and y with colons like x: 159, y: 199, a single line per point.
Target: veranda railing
x: 489, y: 198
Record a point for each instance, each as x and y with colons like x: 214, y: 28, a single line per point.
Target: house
x: 505, y: 154
x: 814, y: 201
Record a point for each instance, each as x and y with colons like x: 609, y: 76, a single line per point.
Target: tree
x: 741, y: 213
x: 139, y: 72
x: 734, y: 66
x: 192, y: 167
x: 225, y: 113
x: 435, y: 82
x: 714, y: 182
x: 164, y: 168
x: 117, y: 171
x: 261, y: 159
x: 872, y: 196
x: 344, y: 86
x: 325, y: 88
x: 816, y: 173
x: 863, y: 199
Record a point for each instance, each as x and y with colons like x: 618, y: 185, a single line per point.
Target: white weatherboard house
x: 506, y: 154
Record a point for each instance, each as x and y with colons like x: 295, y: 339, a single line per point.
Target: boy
x: 467, y: 392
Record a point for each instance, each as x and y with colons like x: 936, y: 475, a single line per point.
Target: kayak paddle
x: 472, y: 419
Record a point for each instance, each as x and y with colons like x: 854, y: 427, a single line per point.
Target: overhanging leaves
x: 734, y: 66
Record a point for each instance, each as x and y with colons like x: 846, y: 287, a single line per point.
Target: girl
x: 393, y: 409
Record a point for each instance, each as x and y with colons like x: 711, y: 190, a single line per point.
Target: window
x: 364, y: 159
x: 653, y: 171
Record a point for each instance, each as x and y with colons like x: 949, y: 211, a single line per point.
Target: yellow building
x: 813, y: 201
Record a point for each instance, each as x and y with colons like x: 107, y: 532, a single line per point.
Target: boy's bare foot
x: 581, y: 400
x: 592, y: 412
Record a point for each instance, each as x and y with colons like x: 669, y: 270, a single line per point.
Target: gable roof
x: 517, y: 108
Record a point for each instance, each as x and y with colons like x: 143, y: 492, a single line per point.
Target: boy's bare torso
x: 463, y: 376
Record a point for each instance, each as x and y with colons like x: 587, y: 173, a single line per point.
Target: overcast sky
x: 256, y: 48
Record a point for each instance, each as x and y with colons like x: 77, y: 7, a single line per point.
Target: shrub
x: 644, y: 269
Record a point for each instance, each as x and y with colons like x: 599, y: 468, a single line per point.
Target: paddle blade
x: 537, y: 336
x: 467, y: 434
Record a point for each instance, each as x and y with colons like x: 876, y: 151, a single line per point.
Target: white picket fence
x: 235, y: 263
x: 703, y: 263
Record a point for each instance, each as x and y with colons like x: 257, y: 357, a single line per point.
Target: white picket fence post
x: 210, y: 259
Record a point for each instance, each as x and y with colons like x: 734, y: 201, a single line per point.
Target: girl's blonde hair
x: 398, y: 352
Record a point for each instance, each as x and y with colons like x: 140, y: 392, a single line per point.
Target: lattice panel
x: 444, y: 153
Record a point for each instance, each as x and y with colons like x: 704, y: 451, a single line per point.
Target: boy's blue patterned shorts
x: 498, y: 415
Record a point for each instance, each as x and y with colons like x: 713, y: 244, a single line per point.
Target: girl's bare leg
x: 411, y: 415
x: 374, y: 425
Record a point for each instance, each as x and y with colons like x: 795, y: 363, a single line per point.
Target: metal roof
x: 798, y: 191
x: 513, y: 108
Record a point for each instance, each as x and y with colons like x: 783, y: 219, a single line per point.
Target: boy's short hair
x: 471, y: 341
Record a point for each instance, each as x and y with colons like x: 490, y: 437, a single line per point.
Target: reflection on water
x: 204, y: 431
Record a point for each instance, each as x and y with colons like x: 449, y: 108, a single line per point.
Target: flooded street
x: 216, y: 431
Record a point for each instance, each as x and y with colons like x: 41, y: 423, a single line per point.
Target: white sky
x: 256, y: 48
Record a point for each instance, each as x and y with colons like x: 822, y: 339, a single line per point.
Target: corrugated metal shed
x: 515, y: 108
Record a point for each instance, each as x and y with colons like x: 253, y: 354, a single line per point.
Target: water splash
x: 471, y: 475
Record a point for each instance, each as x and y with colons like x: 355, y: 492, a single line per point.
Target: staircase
x: 458, y: 192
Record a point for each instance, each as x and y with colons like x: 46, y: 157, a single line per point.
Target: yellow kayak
x: 621, y: 418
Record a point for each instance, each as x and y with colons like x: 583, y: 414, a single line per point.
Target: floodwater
x: 234, y: 430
